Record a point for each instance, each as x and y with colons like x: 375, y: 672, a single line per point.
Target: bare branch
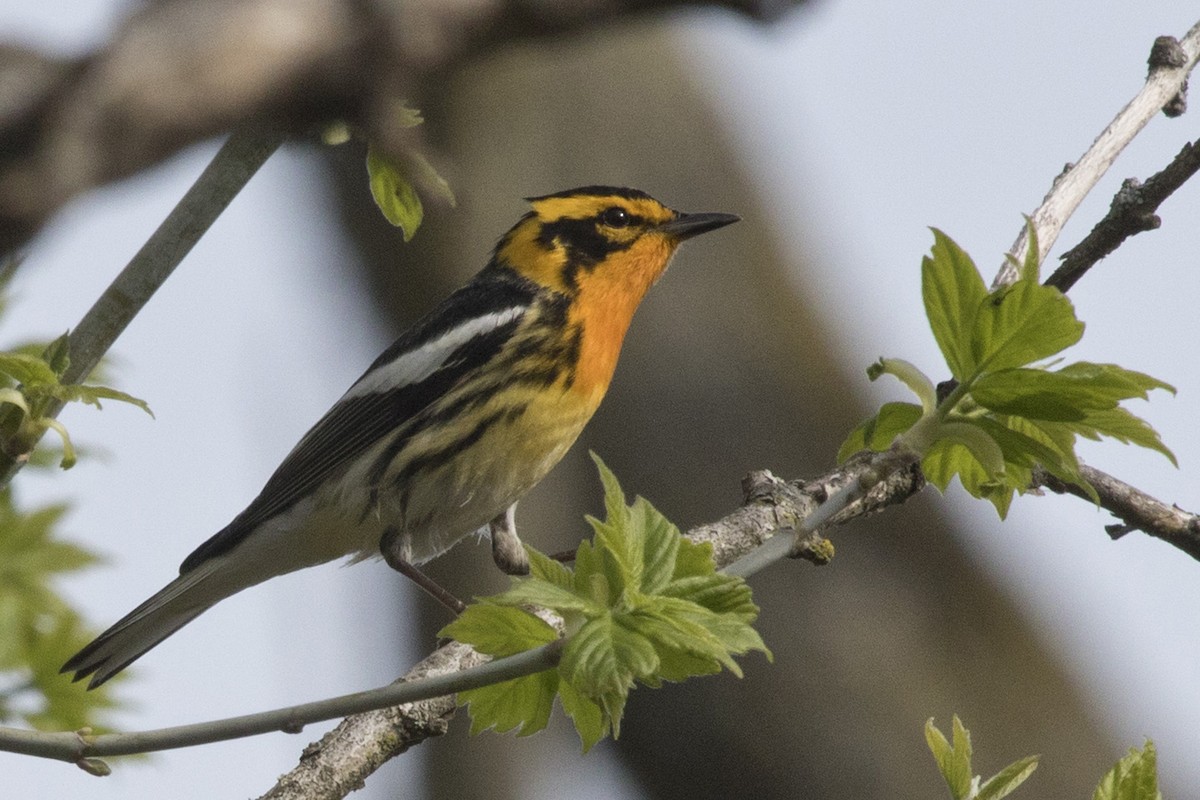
x: 233, y: 165
x: 1136, y: 509
x: 1169, y: 70
x: 1132, y: 212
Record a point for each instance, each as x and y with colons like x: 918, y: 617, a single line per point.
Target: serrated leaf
x: 1006, y: 781
x: 660, y: 541
x: 1134, y: 777
x: 1063, y: 396
x: 548, y: 569
x: 1124, y: 426
x: 602, y: 659
x: 693, y: 559
x: 523, y: 703
x: 1025, y: 445
x: 719, y: 593
x: 93, y: 394
x: 1022, y: 323
x: 953, y: 292
x: 946, y: 458
x: 499, y: 630
x: 953, y: 761
x: 394, y: 193
x: 1124, y: 384
x: 536, y: 592
x: 585, y: 713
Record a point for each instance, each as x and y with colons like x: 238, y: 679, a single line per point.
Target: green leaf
x: 1006, y: 781
x: 953, y: 292
x: 27, y: 369
x: 92, y: 395
x: 499, y: 630
x: 536, y: 592
x: 1020, y: 324
x: 946, y: 458
x: 1063, y: 396
x: 522, y: 703
x: 983, y: 448
x: 602, y: 660
x: 1115, y: 381
x: 394, y: 193
x: 643, y: 604
x: 953, y: 761
x: 587, y: 715
x: 878, y: 432
x: 1122, y: 425
x: 547, y: 569
x: 1134, y: 777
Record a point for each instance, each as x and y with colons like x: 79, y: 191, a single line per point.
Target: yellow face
x: 580, y: 236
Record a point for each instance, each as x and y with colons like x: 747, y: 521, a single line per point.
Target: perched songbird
x: 451, y: 425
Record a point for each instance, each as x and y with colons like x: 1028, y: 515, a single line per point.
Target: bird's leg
x: 507, y: 550
x: 395, y: 553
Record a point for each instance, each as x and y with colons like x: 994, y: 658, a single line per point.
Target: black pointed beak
x: 685, y: 226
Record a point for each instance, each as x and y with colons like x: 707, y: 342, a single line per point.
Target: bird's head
x: 611, y: 238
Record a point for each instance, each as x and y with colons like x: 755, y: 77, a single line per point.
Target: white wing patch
x: 417, y: 365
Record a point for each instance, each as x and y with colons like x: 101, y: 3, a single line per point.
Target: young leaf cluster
x: 1134, y: 777
x: 38, y: 629
x: 1010, y: 409
x: 954, y: 763
x: 34, y: 384
x: 642, y: 604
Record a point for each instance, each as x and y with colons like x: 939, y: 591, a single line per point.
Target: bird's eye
x: 615, y: 217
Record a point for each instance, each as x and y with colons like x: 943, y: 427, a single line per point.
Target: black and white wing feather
x: 458, y: 338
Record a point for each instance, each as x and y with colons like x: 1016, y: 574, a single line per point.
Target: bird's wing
x: 462, y: 335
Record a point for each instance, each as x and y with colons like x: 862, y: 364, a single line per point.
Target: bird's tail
x: 177, y: 604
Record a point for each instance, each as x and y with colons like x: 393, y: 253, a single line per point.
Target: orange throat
x: 603, y: 309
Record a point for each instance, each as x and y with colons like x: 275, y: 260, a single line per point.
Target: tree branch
x: 451, y: 669
x: 1132, y: 212
x: 1136, y: 509
x: 233, y: 165
x: 179, y: 72
x: 1167, y: 80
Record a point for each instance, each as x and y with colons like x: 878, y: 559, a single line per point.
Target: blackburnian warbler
x: 451, y: 425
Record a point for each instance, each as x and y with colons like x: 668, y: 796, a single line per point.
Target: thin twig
x: 1132, y: 212
x: 1136, y: 509
x: 233, y: 165
x: 1167, y: 79
x: 74, y: 746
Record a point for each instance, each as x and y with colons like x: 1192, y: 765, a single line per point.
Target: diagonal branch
x: 1132, y: 212
x: 1170, y: 64
x: 1136, y: 509
x: 233, y: 165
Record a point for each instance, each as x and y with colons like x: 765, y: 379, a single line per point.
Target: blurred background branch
x: 180, y: 71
